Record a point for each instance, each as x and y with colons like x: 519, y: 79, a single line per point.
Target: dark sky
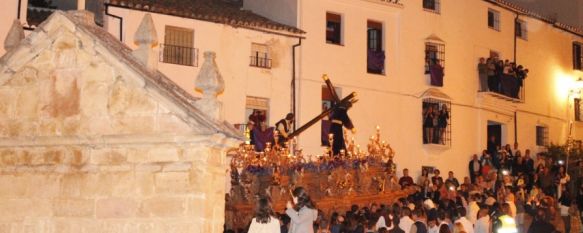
x: 565, y: 11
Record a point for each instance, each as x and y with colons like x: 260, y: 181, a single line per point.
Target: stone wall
x: 134, y: 188
x: 88, y: 144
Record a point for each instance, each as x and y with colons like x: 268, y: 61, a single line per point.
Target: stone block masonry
x: 108, y: 189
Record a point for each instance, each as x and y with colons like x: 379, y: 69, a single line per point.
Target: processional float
x: 335, y: 181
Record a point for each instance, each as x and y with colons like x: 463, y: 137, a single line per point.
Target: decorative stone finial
x: 15, y: 35
x: 87, y: 17
x: 210, y: 82
x: 146, y: 38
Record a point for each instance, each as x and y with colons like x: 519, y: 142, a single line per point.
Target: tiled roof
x: 537, y: 15
x: 218, y: 11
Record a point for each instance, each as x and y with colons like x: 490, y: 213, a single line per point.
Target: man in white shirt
x: 483, y: 223
x: 406, y: 222
x: 468, y: 226
x: 473, y: 209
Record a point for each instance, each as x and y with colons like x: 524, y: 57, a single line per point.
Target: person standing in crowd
x: 397, y: 227
x: 452, y: 180
x: 475, y: 167
x: 493, y: 152
x: 405, y: 222
x: 284, y: 127
x: 482, y: 225
x: 418, y: 225
x: 467, y: 225
x: 264, y: 220
x: 436, y: 180
x: 405, y: 180
x: 541, y: 223
x: 303, y: 214
x: 483, y: 74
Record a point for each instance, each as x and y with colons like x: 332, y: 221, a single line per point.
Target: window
x: 375, y: 54
x: 178, y: 47
x: 333, y: 28
x: 436, y: 121
x: 431, y: 5
x: 521, y: 32
x: 578, y: 109
x: 494, y: 19
x: 577, y: 56
x: 256, y: 110
x: 260, y: 56
x: 434, y: 53
x: 542, y: 136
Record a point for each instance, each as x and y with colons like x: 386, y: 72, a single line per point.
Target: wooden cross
x: 345, y: 102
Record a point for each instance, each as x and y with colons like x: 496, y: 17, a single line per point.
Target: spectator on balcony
x: 262, y: 135
x: 491, y: 65
x: 257, y: 116
x: 436, y: 73
x: 483, y: 74
x: 428, y: 117
x: 521, y: 74
x: 442, y: 123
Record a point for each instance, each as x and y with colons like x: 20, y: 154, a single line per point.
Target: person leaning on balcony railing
x: 483, y: 74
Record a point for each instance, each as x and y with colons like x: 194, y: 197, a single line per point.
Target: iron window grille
x: 432, y: 5
x: 542, y: 136
x: 434, y: 52
x: 260, y: 60
x: 260, y: 56
x: 577, y: 56
x: 179, y: 55
x: 178, y: 47
x: 437, y: 124
x: 333, y: 28
x: 375, y: 54
x: 494, y: 19
x: 521, y: 30
x: 578, y: 109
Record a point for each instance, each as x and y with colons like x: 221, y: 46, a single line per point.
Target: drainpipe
x: 117, y: 17
x: 515, y: 128
x: 293, y: 81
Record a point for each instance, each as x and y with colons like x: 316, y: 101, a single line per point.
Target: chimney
x: 15, y: 35
x: 146, y: 38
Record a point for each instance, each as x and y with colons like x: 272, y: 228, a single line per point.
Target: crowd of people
x: 501, y: 76
x: 507, y: 191
x: 435, y: 121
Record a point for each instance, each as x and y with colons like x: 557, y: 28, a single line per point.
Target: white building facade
x: 347, y: 40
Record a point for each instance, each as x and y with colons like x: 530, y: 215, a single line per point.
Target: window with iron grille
x: 577, y: 56
x: 178, y: 47
x: 432, y: 5
x: 494, y: 19
x: 542, y: 136
x: 434, y: 53
x: 260, y: 56
x: 375, y: 54
x: 333, y: 28
x: 436, y: 121
x: 520, y: 27
x: 578, y: 109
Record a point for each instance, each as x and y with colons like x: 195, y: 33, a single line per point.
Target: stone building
x: 94, y: 139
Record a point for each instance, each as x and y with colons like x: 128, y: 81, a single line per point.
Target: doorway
x: 495, y: 130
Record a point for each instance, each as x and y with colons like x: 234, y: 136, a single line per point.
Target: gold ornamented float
x: 356, y: 176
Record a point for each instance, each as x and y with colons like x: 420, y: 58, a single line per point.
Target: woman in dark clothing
x: 442, y: 123
x: 428, y: 116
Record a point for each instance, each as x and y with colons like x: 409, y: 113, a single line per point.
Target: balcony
x: 179, y: 55
x: 261, y: 62
x: 375, y: 62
